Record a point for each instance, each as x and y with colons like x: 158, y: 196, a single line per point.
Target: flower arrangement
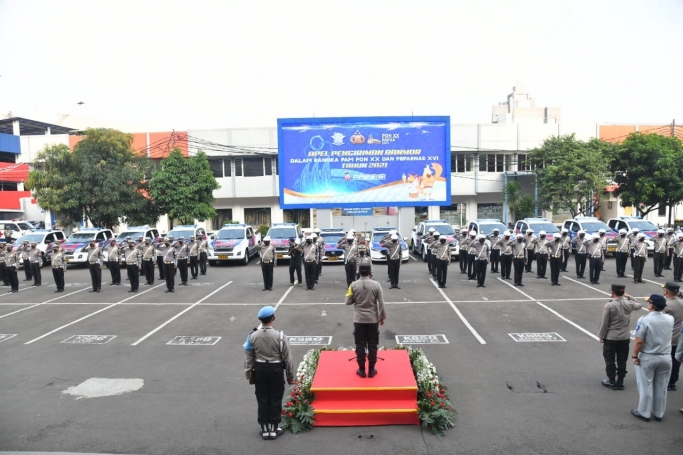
x: 435, y: 409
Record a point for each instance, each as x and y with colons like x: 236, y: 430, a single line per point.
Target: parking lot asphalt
x: 533, y: 397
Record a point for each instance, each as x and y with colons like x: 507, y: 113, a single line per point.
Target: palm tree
x: 512, y: 192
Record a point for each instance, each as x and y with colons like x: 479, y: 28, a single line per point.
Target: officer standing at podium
x: 268, y: 261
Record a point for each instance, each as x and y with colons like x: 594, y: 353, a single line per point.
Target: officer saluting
x: 678, y: 257
x: 566, y: 248
x: 652, y: 357
x: 481, y: 259
x: 203, y: 255
x: 24, y: 249
x: 35, y: 261
x: 183, y: 260
x: 310, y: 256
x: 495, y: 249
x: 363, y: 258
x: 95, y: 261
x: 581, y: 250
x: 170, y: 258
x: 614, y: 334
x: 518, y: 258
x: 442, y: 254
x: 267, y: 357
x: 639, y: 258
x: 366, y: 296
x: 555, y: 256
x: 132, y: 257
x: 505, y: 256
x: 194, y: 255
x: 58, y: 268
x: 113, y: 263
x: 350, y: 253
x: 394, y: 254
x: 12, y: 261
x: 148, y: 255
x: 597, y: 257
x: 623, y: 246
x: 268, y: 261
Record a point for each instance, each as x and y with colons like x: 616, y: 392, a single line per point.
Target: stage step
x: 342, y: 398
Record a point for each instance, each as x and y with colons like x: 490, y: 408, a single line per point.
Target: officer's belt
x: 310, y: 260
x: 56, y: 267
x: 193, y: 255
x: 265, y: 361
x: 266, y: 262
x: 147, y: 259
x: 93, y: 262
x: 169, y: 262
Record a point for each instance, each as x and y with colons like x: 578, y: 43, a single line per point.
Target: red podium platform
x: 342, y: 398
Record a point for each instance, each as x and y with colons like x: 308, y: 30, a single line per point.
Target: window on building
x: 238, y: 167
x: 490, y: 210
x: 522, y: 163
x: 302, y: 217
x: 455, y: 214
x: 492, y: 162
x: 257, y: 217
x: 268, y: 162
x: 217, y: 167
x: 461, y: 162
x: 222, y: 216
x: 253, y: 167
x: 662, y: 209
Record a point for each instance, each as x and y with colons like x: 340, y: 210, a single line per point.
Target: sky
x: 163, y: 65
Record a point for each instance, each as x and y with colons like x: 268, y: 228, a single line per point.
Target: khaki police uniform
x: 615, y: 334
x: 148, y: 256
x: 394, y: 255
x: 530, y: 240
x: 505, y: 258
x: 495, y: 251
x: 12, y: 262
x: 268, y: 261
x: 114, y: 263
x: 95, y: 261
x: 310, y: 257
x: 183, y: 260
x: 639, y: 260
x: 541, y: 254
x: 566, y: 243
x: 580, y: 256
x: 596, y: 253
x: 203, y: 256
x: 678, y: 260
x: 170, y: 257
x: 659, y: 254
x: 481, y: 260
x: 194, y: 258
x: 350, y: 255
x: 555, y: 258
x: 23, y: 250
x: 518, y: 259
x: 3, y: 267
x: 674, y: 308
x: 365, y: 294
x: 133, y: 256
x: 58, y: 268
x: 621, y: 255
x: 35, y: 262
x: 442, y: 255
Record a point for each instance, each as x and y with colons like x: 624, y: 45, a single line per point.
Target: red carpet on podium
x: 342, y: 398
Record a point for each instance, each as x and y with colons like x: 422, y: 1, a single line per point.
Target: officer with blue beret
x: 267, y: 357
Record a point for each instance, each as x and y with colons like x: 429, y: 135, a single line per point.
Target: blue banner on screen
x: 364, y: 162
x: 361, y: 211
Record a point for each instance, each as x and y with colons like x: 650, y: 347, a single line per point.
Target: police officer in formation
x: 677, y: 254
x: 12, y: 263
x: 194, y: 257
x: 670, y: 239
x: 160, y: 261
x: 615, y: 335
x: 659, y: 254
x: 203, y: 255
x: 58, y: 267
x: 295, y: 252
x: 169, y: 255
x: 321, y: 253
x: 365, y: 294
x: 639, y: 258
x: 481, y: 259
x: 566, y: 243
x: 350, y: 248
x: 464, y: 245
x: 268, y: 261
x: 35, y: 262
x: 183, y: 260
x: 3, y: 267
x: 596, y: 253
x: 633, y: 238
x: 530, y: 241
x: 95, y: 264
x: 622, y: 253
x: 495, y: 240
x: 674, y: 308
x: 114, y: 258
x: 310, y: 261
x: 652, y: 357
x: 519, y: 258
x: 555, y: 258
x: 602, y: 239
x: 268, y: 360
x: 427, y: 242
x: 541, y: 253
x: 363, y: 258
x: 581, y: 245
x: 24, y: 251
x: 394, y: 254
x: 471, y: 255
x: 436, y: 238
x: 133, y: 258
x: 442, y: 253
x: 505, y: 256
x: 148, y: 254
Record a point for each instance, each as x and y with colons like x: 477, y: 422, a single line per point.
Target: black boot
x: 265, y: 433
x: 620, y: 383
x: 610, y: 383
x: 371, y: 370
x: 361, y: 369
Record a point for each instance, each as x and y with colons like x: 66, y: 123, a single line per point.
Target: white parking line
x: 589, y: 287
x: 645, y: 279
x: 551, y: 310
x: 457, y: 311
x: 89, y: 315
x: 38, y: 304
x: 178, y: 315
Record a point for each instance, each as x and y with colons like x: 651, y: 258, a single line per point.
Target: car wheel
x: 412, y: 246
x: 212, y: 263
x: 245, y: 261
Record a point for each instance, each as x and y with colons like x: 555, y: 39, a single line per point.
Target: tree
x: 183, y: 187
x: 570, y: 172
x: 512, y: 192
x: 101, y: 180
x: 648, y: 169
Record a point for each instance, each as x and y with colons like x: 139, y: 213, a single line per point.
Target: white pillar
x: 16, y: 130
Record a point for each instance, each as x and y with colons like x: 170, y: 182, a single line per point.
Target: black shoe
x: 270, y: 289
x: 597, y: 282
x: 167, y: 290
x: 558, y: 284
x: 609, y: 383
x: 396, y: 287
x: 265, y: 434
x: 172, y: 291
x: 97, y: 291
x: 264, y: 289
x: 641, y: 281
x: 360, y: 373
x: 372, y: 373
x: 552, y: 284
x: 57, y: 291
x: 635, y: 413
x: 479, y: 285
x: 93, y: 290
x: 520, y: 284
x: 658, y: 419
x: 38, y: 284
x: 131, y: 290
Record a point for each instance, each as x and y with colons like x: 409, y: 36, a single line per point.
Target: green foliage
x: 102, y: 179
x: 648, y: 169
x: 570, y: 171
x: 183, y: 187
x: 526, y: 207
x: 263, y: 229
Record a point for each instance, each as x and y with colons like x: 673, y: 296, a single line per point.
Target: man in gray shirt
x: 652, y: 357
x: 365, y: 294
x: 614, y: 334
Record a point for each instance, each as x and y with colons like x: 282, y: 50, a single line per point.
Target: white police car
x: 331, y: 238
x: 280, y: 233
x: 378, y: 253
x: 73, y: 246
x: 44, y: 238
x: 234, y: 242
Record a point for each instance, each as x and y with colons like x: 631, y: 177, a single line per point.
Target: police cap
x: 673, y: 287
x: 618, y: 287
x: 657, y: 300
x: 364, y: 267
x: 266, y: 312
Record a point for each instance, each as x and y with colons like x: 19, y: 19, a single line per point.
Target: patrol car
x: 444, y: 228
x: 280, y: 233
x: 234, y: 242
x: 138, y: 231
x: 378, y: 252
x: 44, y: 239
x: 632, y: 222
x: 73, y: 246
x: 537, y: 224
x: 331, y: 237
x: 18, y: 228
x: 187, y: 231
x: 591, y: 225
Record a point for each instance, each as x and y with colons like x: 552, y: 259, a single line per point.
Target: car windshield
x: 30, y: 238
x: 548, y: 227
x: 443, y: 229
x: 231, y: 234
x: 591, y: 226
x: 81, y: 236
x: 487, y: 228
x: 282, y: 233
x: 377, y: 236
x: 25, y: 226
x: 332, y: 237
x: 642, y: 225
x: 177, y: 234
x: 132, y: 234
